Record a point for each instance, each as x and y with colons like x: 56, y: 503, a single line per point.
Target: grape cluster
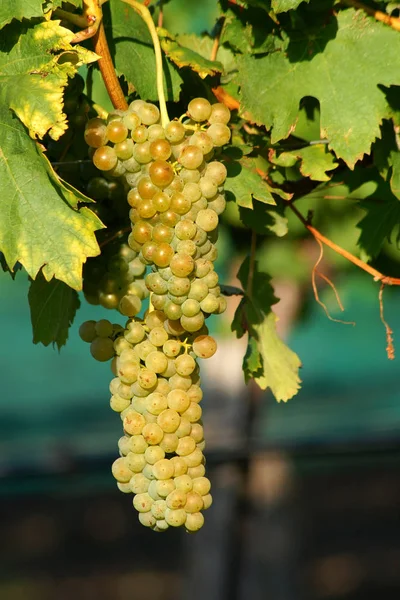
x: 175, y: 192
x: 115, y: 280
x: 176, y: 195
x: 100, y: 335
x: 157, y: 391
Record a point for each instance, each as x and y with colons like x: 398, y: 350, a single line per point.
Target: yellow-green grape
x: 135, y: 462
x: 102, y: 349
x: 152, y: 433
x: 164, y: 487
x: 134, y: 423
x: 153, y: 454
x: 201, y: 485
x: 186, y: 446
x: 184, y: 428
x: 194, y: 521
x: 195, y: 458
x: 175, y: 517
x: 121, y: 470
x: 176, y: 499
x: 194, y: 472
x: 184, y: 483
x: 137, y: 444
x: 163, y: 469
x: 119, y: 404
x: 194, y: 502
x: 193, y: 412
x: 207, y: 501
x: 180, y: 466
x: 143, y: 502
x: 169, y: 420
x: 158, y: 509
x: 87, y: 331
x: 178, y: 400
x: 147, y: 519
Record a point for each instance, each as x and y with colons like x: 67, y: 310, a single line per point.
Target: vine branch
x: 144, y: 12
x: 107, y: 70
x: 393, y: 22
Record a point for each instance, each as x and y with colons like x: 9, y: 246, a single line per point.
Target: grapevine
x: 117, y: 174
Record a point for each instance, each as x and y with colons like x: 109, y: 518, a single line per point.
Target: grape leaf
x: 53, y: 306
x: 132, y: 50
x: 316, y: 160
x: 260, y: 219
x: 378, y: 225
x: 267, y: 360
x: 280, y: 6
x: 183, y: 56
x: 318, y: 63
x: 35, y: 62
x: 19, y: 9
x: 243, y: 181
x: 203, y: 45
x: 387, y: 157
x: 38, y: 222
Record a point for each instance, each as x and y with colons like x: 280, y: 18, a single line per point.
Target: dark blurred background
x: 306, y: 494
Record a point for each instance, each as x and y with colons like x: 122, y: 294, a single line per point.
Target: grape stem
x: 144, y: 12
x: 107, y: 70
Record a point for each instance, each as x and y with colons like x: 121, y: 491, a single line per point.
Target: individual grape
x: 169, y: 217
x: 169, y: 443
x: 131, y: 165
x: 186, y: 247
x: 153, y: 454
x: 176, y: 499
x: 161, y: 201
x: 182, y: 265
x: 87, y: 331
x: 180, y: 383
x: 218, y: 204
x: 178, y: 400
x: 180, y: 204
x: 143, y: 502
x: 158, y: 301
x: 179, y: 286
x: 219, y: 133
x: 201, y: 485
x: 147, y: 519
x: 175, y: 517
x: 105, y: 158
x: 174, y: 132
x: 141, y: 152
x: 158, y: 336
x: 195, y: 458
x: 136, y: 462
x: 119, y: 404
x: 146, y: 190
x: 186, y: 445
x: 219, y: 114
x: 140, y: 134
x: 164, y: 487
x: 134, y: 423
x: 158, y: 509
x: 208, y: 188
x: 191, y: 307
x: 161, y: 173
x: 152, y: 433
x: 190, y: 175
x: 102, y: 349
x: 137, y: 444
x: 161, y: 525
x: 172, y: 348
x: 185, y: 365
x: 207, y: 501
x: 204, y: 346
x: 154, y: 318
x: 131, y: 120
x: 179, y: 464
x: 147, y: 379
x: 130, y: 305
x: 163, y: 469
x: 95, y: 133
x: 156, y: 132
x: 162, y: 233
x: 116, y: 132
x: 191, y: 157
x: 141, y: 232
x: 194, y: 521
x: 197, y: 471
x: 148, y: 113
x: 210, y: 304
x: 121, y: 471
x: 156, y: 403
x: 197, y: 432
x: 193, y: 413
x: 156, y: 361
x: 207, y: 219
x: 163, y: 255
x: 199, y: 109
x: 136, y: 332
x: 192, y: 324
x: 124, y: 391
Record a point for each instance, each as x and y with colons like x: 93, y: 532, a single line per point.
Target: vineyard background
x: 306, y: 494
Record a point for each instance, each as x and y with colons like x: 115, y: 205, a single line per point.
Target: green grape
x: 178, y: 400
x: 207, y: 219
x: 190, y: 175
x: 186, y: 247
x: 136, y: 268
x: 102, y: 349
x: 195, y: 472
x: 142, y: 502
x: 185, y: 365
x: 199, y: 109
x: 211, y: 279
x: 139, y: 484
x: 186, y: 445
x: 176, y: 499
x: 153, y: 434
x: 192, y: 324
x: 192, y: 191
x: 131, y: 120
x: 95, y: 133
x: 124, y: 391
x: 194, y: 459
x: 219, y: 114
x: 162, y: 233
x: 204, y: 346
x: 180, y: 466
x: 198, y: 290
x: 161, y: 173
x: 197, y: 432
x: 158, y: 336
x: 156, y: 361
x: 136, y: 332
x: 218, y: 204
x: 210, y: 304
x: 87, y: 331
x: 184, y: 483
x: 162, y: 256
x: 159, y: 301
x: 147, y: 252
x: 147, y: 379
x: 154, y: 318
x: 181, y: 266
x: 174, y: 132
x: 131, y: 165
x: 135, y: 462
x: 134, y: 423
x: 137, y: 444
x: 141, y: 152
x: 169, y: 217
x: 135, y: 104
x: 164, y: 487
x: 153, y: 454
x: 194, y: 521
x: 179, y: 286
x: 146, y: 189
x: 156, y: 132
x: 158, y: 509
x: 216, y: 171
x: 141, y: 232
x: 140, y: 134
x: 175, y: 517
x: 191, y: 307
x: 180, y: 204
x: 145, y: 210
x: 191, y: 157
x: 170, y: 370
x: 116, y: 132
x: 173, y: 311
x: 121, y: 471
x: 155, y: 283
x: 128, y: 372
x: 163, y: 469
x: 130, y: 305
x: 193, y: 413
x: 169, y: 420
x: 203, y: 141
x: 119, y: 404
x: 148, y: 113
x: 161, y: 201
x: 144, y: 348
x: 208, y: 188
x: 219, y: 133
x: 105, y: 158
x: 201, y: 237
x: 160, y: 149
